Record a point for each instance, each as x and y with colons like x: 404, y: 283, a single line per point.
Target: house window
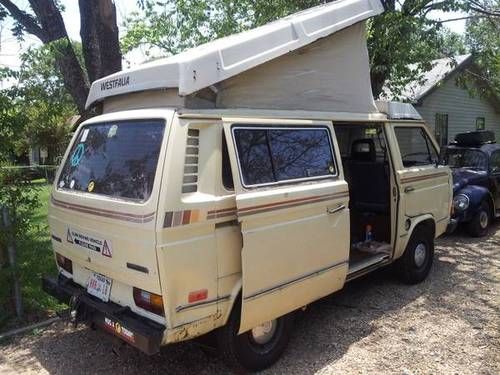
x: 480, y: 123
x: 441, y: 128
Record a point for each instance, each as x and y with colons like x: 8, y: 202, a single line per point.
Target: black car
x: 475, y: 161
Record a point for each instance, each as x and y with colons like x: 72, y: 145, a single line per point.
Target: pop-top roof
x: 214, y: 62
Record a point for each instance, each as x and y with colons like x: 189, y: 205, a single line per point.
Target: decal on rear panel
x: 118, y: 329
x: 86, y: 241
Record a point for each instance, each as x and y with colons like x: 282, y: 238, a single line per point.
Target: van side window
x: 415, y: 146
x: 278, y: 154
x: 227, y: 175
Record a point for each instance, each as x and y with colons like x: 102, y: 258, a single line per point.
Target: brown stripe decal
x: 290, y: 203
x: 104, y: 213
x: 424, y: 177
x: 215, y: 214
x: 178, y: 218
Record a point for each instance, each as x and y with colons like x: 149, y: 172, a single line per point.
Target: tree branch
x: 25, y: 19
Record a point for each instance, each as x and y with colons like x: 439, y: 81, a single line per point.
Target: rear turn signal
x: 65, y: 263
x: 148, y: 301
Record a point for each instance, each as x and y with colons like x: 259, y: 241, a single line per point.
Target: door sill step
x: 367, y: 263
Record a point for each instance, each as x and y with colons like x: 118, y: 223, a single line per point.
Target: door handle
x: 335, y: 210
x: 409, y: 189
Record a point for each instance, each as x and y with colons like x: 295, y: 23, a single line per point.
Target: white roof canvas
x: 214, y: 63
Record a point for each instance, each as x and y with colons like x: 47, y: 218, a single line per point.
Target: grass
x: 35, y: 259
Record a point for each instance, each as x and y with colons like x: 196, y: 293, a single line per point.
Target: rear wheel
x: 416, y: 262
x: 478, y: 226
x: 256, y: 349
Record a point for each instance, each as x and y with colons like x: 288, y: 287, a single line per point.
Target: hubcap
x: 483, y: 219
x: 264, y: 333
x: 420, y: 254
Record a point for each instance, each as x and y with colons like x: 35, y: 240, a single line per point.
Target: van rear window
x: 116, y: 159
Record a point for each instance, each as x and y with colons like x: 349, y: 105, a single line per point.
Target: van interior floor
x: 365, y: 254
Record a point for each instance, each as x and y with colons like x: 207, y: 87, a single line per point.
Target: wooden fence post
x: 11, y: 254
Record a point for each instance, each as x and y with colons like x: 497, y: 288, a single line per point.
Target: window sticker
x: 61, y: 183
x: 72, y: 184
x: 85, y: 135
x: 91, y: 186
x: 77, y: 156
x: 112, y: 131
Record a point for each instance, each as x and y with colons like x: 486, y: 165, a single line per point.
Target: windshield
x: 117, y: 159
x: 466, y: 158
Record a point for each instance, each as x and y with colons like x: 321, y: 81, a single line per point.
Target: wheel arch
x: 478, y: 194
x: 426, y: 220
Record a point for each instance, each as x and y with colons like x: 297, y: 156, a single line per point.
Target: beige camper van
x: 224, y: 188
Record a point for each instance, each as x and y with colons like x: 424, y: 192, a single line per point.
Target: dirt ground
x: 450, y: 324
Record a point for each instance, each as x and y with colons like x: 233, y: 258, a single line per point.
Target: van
x: 175, y: 214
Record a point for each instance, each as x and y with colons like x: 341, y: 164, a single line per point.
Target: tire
x: 416, y: 262
x: 243, y: 353
x: 478, y: 226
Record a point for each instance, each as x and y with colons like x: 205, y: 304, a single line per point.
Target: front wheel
x: 256, y: 349
x: 478, y: 226
x: 416, y: 262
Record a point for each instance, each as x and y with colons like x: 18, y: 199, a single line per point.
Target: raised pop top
x: 214, y: 62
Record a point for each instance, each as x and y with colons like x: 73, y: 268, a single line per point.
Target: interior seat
x: 369, y: 178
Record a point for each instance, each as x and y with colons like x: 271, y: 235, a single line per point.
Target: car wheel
x: 416, y: 262
x: 478, y: 226
x: 256, y: 349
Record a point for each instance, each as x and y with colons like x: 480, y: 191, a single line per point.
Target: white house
x: 447, y: 107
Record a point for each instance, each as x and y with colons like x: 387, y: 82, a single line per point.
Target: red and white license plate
x: 99, y: 286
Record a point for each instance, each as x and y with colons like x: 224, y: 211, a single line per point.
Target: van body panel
x: 306, y: 224
x: 189, y: 242
x: 424, y: 191
x: 127, y: 227
x: 280, y: 246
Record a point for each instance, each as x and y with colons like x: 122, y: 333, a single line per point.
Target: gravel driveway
x: 448, y: 324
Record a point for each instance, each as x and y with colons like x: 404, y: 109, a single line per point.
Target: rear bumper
x: 120, y: 321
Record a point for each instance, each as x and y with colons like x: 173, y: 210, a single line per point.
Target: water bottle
x: 368, y: 233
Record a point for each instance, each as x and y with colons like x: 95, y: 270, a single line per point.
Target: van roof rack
x: 475, y: 138
x: 398, y: 110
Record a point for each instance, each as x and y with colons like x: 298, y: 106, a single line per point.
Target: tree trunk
x: 99, y: 33
x: 55, y: 34
x: 100, y: 43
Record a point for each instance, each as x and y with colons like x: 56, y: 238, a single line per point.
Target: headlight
x: 461, y: 202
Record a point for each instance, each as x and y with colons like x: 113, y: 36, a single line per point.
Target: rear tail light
x: 148, y: 301
x: 65, y: 263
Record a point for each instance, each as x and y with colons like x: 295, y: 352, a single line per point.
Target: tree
x: 483, y: 39
x: 403, y: 35
x: 36, y: 110
x: 99, y: 33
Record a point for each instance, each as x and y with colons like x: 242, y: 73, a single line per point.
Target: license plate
x: 99, y: 286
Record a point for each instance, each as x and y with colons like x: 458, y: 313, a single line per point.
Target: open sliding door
x: 292, y: 203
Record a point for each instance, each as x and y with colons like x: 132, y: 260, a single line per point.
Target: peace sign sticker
x: 77, y: 156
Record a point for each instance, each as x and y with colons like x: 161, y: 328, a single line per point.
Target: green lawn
x: 35, y: 258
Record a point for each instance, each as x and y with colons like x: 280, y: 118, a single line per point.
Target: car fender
x: 476, y: 195
x: 404, y: 238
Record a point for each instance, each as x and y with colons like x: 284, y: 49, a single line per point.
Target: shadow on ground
x: 456, y: 287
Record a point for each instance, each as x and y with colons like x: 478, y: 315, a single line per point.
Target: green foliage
x: 483, y: 38
x: 20, y: 197
x: 35, y: 112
